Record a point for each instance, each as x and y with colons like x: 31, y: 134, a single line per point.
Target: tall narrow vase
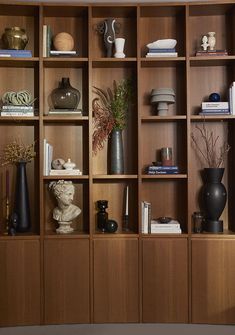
x: 21, y: 207
x: 214, y: 198
x: 116, y: 153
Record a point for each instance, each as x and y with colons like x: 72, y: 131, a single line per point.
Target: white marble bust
x: 65, y: 212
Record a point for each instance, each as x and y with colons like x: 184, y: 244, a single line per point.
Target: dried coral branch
x: 16, y: 152
x: 209, y: 151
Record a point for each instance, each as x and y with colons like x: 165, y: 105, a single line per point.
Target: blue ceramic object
x: 214, y: 97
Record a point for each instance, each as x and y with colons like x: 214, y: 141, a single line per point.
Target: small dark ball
x: 111, y: 226
x: 214, y: 97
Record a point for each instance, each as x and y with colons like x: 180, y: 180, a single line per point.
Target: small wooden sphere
x: 63, y: 42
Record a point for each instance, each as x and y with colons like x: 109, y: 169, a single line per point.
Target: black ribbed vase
x: 214, y: 197
x: 116, y: 152
x: 21, y: 206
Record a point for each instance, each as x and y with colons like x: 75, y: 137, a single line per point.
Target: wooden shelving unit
x: 89, y: 276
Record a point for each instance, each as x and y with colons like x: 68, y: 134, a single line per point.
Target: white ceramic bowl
x: 162, y: 44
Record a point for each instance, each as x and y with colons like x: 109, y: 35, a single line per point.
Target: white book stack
x: 48, y: 154
x: 146, y: 216
x: 65, y: 172
x: 215, y: 108
x: 172, y: 227
x: 12, y: 110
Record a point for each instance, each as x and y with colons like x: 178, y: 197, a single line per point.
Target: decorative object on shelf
x: 162, y: 97
x: 110, y: 113
x: 205, y: 43
x: 198, y: 220
x: 119, y: 47
x: 6, y: 228
x: 125, y: 226
x: 20, y: 98
x: 111, y: 226
x: 69, y: 165
x: 166, y: 156
x: 63, y: 42
x: 13, y: 224
x: 58, y: 163
x: 19, y: 154
x: 15, y: 38
x: 65, y: 96
x: 109, y: 28
x: 214, y: 197
x: 211, y: 40
x: 102, y: 215
x: 214, y: 194
x: 214, y: 97
x: 162, y: 48
x: 65, y: 212
x: 168, y: 43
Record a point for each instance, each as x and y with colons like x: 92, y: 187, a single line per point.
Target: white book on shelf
x: 146, y: 213
x: 233, y: 97
x: 215, y: 105
x: 64, y: 172
x: 50, y: 156
x: 166, y: 231
x: 44, y: 38
x: 44, y: 157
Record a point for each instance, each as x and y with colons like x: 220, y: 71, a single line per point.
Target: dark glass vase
x: 102, y: 215
x: 214, y: 198
x: 65, y: 96
x: 21, y: 206
x: 116, y: 152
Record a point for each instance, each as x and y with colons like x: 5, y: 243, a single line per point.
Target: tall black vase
x: 21, y: 206
x: 116, y: 152
x: 214, y: 198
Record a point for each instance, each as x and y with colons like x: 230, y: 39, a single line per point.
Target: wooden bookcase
x: 88, y: 276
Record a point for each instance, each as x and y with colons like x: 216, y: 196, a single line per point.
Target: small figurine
x: 205, y: 43
x: 109, y: 28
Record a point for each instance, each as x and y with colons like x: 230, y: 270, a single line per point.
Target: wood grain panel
x: 66, y: 264
x: 213, y: 278
x: 19, y: 283
x: 165, y: 280
x: 116, y: 280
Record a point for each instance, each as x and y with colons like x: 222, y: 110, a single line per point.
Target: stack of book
x: 145, y: 217
x: 215, y: 108
x: 15, y: 53
x: 65, y: 172
x: 155, y: 169
x: 156, y: 52
x: 172, y: 227
x: 12, y: 110
x: 65, y: 53
x: 212, y: 53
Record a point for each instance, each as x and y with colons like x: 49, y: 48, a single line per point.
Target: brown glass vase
x: 65, y: 96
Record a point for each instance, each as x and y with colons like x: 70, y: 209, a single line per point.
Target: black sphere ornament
x: 111, y: 226
x: 214, y: 97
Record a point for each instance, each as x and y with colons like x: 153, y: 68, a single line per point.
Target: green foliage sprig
x: 110, y: 110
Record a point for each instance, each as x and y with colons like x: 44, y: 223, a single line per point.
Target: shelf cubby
x: 167, y: 75
x: 162, y: 22
x: 114, y: 192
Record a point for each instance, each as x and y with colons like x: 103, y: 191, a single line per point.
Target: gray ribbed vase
x: 116, y: 152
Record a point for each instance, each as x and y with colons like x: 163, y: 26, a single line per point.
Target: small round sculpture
x: 58, y: 164
x: 111, y: 226
x: 214, y: 97
x: 162, y: 97
x: 65, y: 212
x: 63, y: 42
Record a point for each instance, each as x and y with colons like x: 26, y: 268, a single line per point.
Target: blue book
x: 162, y: 50
x: 15, y: 53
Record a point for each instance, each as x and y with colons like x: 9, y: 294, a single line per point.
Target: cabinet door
x: 213, y: 281
x: 116, y: 280
x: 165, y: 280
x: 66, y: 264
x: 19, y: 283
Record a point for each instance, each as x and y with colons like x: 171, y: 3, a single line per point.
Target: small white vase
x: 211, y: 40
x: 119, y: 47
x: 69, y: 165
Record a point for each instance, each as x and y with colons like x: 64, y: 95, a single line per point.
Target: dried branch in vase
x: 110, y: 111
x: 16, y: 152
x: 210, y: 151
